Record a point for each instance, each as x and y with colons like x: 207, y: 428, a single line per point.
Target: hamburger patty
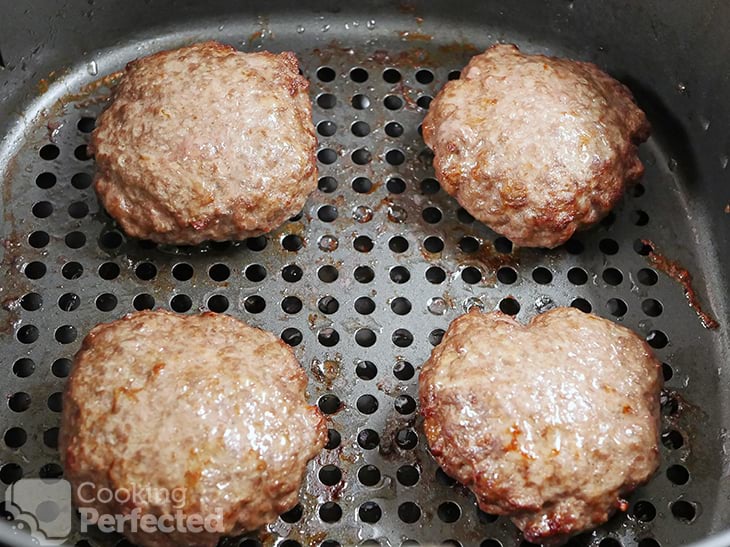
x: 552, y: 423
x: 535, y: 147
x: 206, y: 143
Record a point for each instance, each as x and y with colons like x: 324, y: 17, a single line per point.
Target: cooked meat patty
x: 552, y: 423
x: 206, y: 143
x: 206, y: 405
x: 535, y: 147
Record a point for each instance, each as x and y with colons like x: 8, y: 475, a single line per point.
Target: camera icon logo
x: 42, y: 507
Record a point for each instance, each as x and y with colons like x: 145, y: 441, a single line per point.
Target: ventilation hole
x: 647, y: 277
x: 433, y: 244
x: 65, y: 334
x: 396, y: 185
x: 684, y: 511
x: 368, y: 439
x: 612, y: 276
x: 400, y: 306
x: 608, y: 246
x: 672, y: 439
x: 38, y: 239
x: 78, y: 209
x: 506, y: 275
x: 252, y: 304
x: 328, y: 305
x: 399, y: 274
x: 23, y: 368
x: 667, y: 372
x: 45, y: 181
x: 179, y: 303
x: 361, y: 156
x: 31, y: 301
x: 424, y: 76
x: 641, y: 248
x: 292, y: 515
x: 10, y: 473
x: 358, y: 75
x: 147, y: 302
x: 437, y: 275
x: 181, y: 271
x: 470, y: 275
x: 395, y: 157
x: 435, y: 337
x: 609, y: 542
x: 407, y: 475
x: 398, y: 244
x: 69, y: 301
x: 391, y: 75
x: 86, y: 124
x: 424, y: 102
x: 403, y: 370
x: 365, y: 338
x: 468, y: 244
x: 360, y: 102
x: 503, y: 245
x: 393, y: 129
x: 111, y: 240
x: 463, y: 216
x: 409, y: 512
x: 406, y: 438
x: 290, y: 543
x: 491, y: 543
x: 609, y: 219
x: 327, y: 213
x: 582, y: 304
x: 50, y: 438
x: 617, y: 307
x: 75, y: 240
x: 291, y: 273
x: 27, y: 334
x: 292, y: 336
x: 15, y: 437
x: 577, y: 276
x: 448, y: 512
x: 366, y: 370
x: 326, y: 101
x: 81, y: 181
x: 51, y: 471
x: 367, y: 404
x: 393, y: 102
x: 657, y: 339
x: 574, y: 247
x: 360, y: 129
x: 292, y: 243
x: 328, y: 337
x: 405, y: 404
x: 432, y: 215
x: 639, y: 217
x: 363, y: 244
x: 327, y: 185
x: 81, y: 153
x: 327, y: 274
x: 649, y: 542
x: 330, y: 512
x: 49, y: 152
x: 369, y: 475
x: 329, y: 403
x: 542, y: 275
x: 61, y: 368
x: 364, y: 305
x: 402, y: 338
x: 370, y: 512
x: 430, y: 186
x: 42, y: 209
x: 644, y: 511
x: 325, y: 74
x: 510, y: 306
x: 678, y: 474
x: 652, y: 307
x: 19, y: 402
x: 326, y: 128
x: 327, y: 156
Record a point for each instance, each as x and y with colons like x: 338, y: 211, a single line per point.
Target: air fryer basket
x: 366, y: 279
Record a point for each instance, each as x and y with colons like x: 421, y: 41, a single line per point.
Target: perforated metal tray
x: 362, y: 284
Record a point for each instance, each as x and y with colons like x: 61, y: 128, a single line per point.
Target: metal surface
x: 402, y: 214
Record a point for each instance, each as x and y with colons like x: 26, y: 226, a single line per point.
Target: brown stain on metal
x: 327, y: 371
x: 411, y: 36
x: 727, y: 209
x: 680, y: 274
x: 91, y: 93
